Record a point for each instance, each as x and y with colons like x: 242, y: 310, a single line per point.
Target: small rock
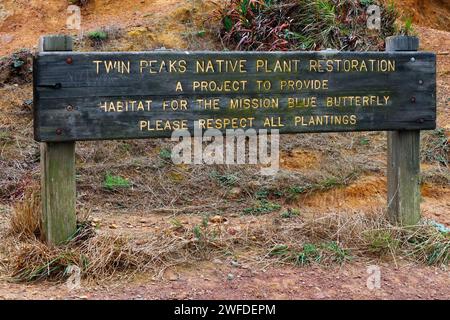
x: 234, y: 263
x: 113, y: 226
x: 217, y: 261
x: 230, y: 276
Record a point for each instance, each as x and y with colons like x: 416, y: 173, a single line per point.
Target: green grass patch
x: 263, y: 207
x: 115, y: 182
x: 290, y: 213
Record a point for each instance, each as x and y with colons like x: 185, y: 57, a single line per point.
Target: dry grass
x: 330, y: 239
x: 25, y: 220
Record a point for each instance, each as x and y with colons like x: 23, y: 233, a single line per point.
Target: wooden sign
x: 96, y: 96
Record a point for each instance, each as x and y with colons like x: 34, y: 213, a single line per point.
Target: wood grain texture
x: 58, y: 189
x: 404, y: 177
x: 59, y: 85
x: 403, y: 172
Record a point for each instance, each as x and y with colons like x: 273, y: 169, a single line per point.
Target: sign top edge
x: 187, y: 53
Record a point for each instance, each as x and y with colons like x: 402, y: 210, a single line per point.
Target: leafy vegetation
x: 435, y: 147
x: 272, y: 25
x: 225, y: 180
x: 115, y: 182
x: 263, y: 207
x: 165, y: 154
x: 98, y: 36
x: 290, y: 213
x: 406, y: 28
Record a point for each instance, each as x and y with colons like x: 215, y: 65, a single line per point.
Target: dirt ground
x: 168, y: 23
x: 214, y: 281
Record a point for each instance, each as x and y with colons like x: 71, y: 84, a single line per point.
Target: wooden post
x: 58, y: 191
x: 403, y: 172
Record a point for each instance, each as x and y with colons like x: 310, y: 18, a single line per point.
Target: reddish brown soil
x: 212, y: 281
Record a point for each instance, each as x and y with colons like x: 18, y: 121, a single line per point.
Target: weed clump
x: 97, y: 37
x: 435, y: 147
x: 272, y: 25
x: 25, y: 221
x: 115, y: 182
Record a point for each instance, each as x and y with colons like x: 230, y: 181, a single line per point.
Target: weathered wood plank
x: 403, y: 159
x: 72, y: 88
x: 404, y: 177
x: 58, y: 174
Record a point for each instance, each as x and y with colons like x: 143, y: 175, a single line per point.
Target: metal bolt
x: 59, y: 131
x: 413, y: 99
x: 69, y: 108
x: 69, y: 60
x: 413, y: 59
x: 421, y: 120
x: 421, y: 82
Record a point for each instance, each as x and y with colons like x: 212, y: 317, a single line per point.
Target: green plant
x: 339, y: 254
x: 262, y: 194
x: 303, y: 25
x: 407, y: 28
x: 225, y: 180
x: 263, y: 207
x: 435, y: 147
x: 367, y: 3
x: 364, y: 141
x: 97, y: 36
x: 115, y: 182
x: 176, y: 223
x: 381, y: 241
x: 309, y: 254
x: 290, y: 213
x: 165, y: 154
x: 330, y: 183
x: 279, y: 250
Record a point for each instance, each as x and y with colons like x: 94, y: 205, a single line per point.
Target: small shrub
x: 97, y: 36
x: 435, y: 147
x: 407, y: 28
x: 339, y: 254
x: 263, y: 207
x: 290, y: 213
x: 273, y: 25
x: 115, y: 182
x: 309, y: 254
x: 165, y: 154
x: 381, y: 242
x: 279, y: 250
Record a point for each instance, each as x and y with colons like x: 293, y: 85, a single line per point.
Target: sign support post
x: 403, y: 165
x: 58, y: 191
